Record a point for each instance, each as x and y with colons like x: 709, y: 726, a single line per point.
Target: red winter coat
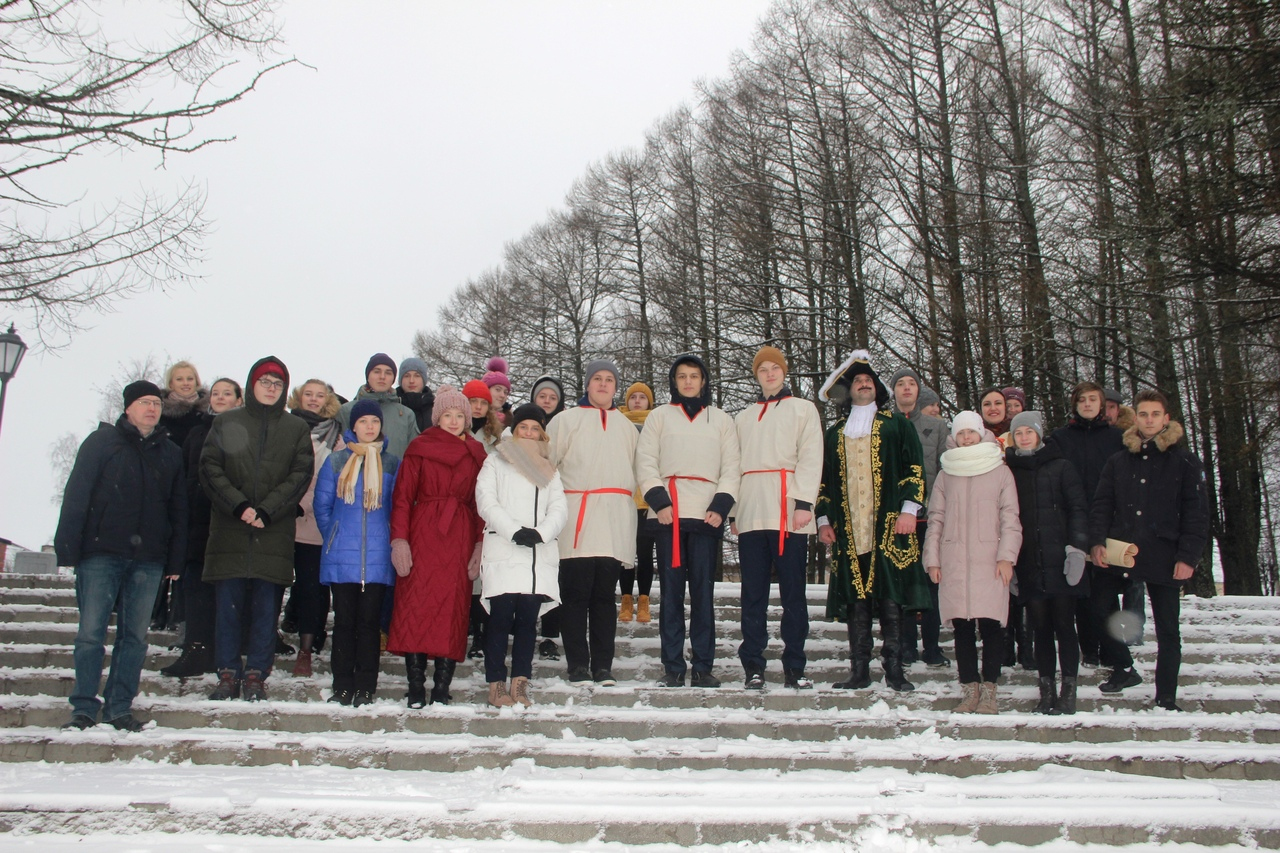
x: 434, y: 509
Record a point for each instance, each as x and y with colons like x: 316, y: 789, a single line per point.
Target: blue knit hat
x: 416, y: 364
x: 380, y: 358
x: 365, y: 407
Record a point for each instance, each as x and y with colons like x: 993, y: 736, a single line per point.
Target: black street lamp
x: 12, y: 349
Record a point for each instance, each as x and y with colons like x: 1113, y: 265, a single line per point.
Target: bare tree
x: 62, y: 456
x: 69, y: 88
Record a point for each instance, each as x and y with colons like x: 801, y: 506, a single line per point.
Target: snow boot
x: 987, y: 703
x: 642, y: 609
x: 1066, y: 704
x: 254, y: 690
x: 969, y: 704
x: 228, y: 686
x: 520, y: 691
x: 625, y: 611
x: 1047, y: 688
x: 443, y: 678
x: 196, y: 659
x: 415, y: 665
x: 498, y: 695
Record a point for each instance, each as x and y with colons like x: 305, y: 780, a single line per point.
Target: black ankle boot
x: 415, y: 665
x: 443, y: 678
x: 1046, y: 695
x: 196, y: 659
x: 1066, y: 704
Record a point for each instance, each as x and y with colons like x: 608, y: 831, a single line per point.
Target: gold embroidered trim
x: 855, y: 570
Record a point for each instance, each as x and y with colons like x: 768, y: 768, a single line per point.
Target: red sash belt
x: 675, y: 510
x: 582, y: 507
x: 782, y: 513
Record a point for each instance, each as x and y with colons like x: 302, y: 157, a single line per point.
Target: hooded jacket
x: 560, y: 403
x: 1153, y: 495
x: 125, y: 497
x: 255, y: 456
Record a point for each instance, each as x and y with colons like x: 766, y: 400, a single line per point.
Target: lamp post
x: 12, y: 349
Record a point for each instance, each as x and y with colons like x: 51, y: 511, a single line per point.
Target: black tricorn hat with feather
x: 836, y: 388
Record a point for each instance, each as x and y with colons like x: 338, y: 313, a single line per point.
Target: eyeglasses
x: 268, y: 382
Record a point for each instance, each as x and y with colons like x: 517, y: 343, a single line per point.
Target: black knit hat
x: 142, y: 388
x: 528, y: 412
x: 381, y: 358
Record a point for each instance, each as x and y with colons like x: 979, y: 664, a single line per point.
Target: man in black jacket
x: 123, y: 526
x: 1153, y: 496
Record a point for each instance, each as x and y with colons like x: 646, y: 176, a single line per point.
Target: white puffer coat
x: 507, y: 501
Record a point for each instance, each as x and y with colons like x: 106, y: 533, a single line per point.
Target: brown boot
x: 624, y: 612
x: 498, y: 696
x: 969, y: 704
x: 520, y: 691
x: 642, y: 610
x: 987, y: 699
x: 302, y: 666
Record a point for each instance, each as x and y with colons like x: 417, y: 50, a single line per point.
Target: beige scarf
x: 371, y: 454
x: 529, y: 457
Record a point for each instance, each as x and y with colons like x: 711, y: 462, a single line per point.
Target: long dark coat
x: 1054, y: 514
x: 198, y: 507
x: 434, y: 510
x: 261, y: 457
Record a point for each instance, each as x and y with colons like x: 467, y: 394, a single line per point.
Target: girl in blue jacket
x: 353, y: 512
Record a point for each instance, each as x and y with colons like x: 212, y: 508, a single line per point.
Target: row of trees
x: 991, y: 191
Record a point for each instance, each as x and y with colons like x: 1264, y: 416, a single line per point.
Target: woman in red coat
x: 435, y: 547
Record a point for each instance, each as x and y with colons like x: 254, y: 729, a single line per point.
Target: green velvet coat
x: 897, y: 467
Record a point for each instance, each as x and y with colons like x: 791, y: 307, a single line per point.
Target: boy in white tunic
x: 594, y: 448
x: 780, y: 437
x: 687, y: 465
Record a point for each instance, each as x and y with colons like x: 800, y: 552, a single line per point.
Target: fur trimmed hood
x: 327, y: 412
x: 1126, y: 418
x: 1164, y: 439
x: 174, y: 408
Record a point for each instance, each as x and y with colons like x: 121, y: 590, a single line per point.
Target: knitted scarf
x: 636, y: 417
x: 324, y: 431
x: 371, y: 455
x: 529, y: 457
x: 973, y: 460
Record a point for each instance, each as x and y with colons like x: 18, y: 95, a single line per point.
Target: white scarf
x: 973, y: 460
x: 860, y: 420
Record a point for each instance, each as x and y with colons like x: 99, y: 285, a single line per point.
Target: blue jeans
x: 698, y: 556
x: 262, y: 600
x: 758, y: 556
x: 100, y: 581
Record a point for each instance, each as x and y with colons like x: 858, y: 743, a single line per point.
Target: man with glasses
x: 255, y: 467
x: 123, y: 526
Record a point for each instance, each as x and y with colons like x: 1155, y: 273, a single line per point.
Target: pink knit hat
x: 497, y: 373
x: 448, y: 397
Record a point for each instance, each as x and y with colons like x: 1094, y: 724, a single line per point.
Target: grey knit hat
x: 1029, y: 418
x: 595, y: 366
x: 906, y: 371
x: 928, y: 397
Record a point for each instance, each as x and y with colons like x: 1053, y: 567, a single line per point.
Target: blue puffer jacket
x: 357, y: 544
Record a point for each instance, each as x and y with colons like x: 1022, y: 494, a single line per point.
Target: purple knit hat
x: 448, y: 397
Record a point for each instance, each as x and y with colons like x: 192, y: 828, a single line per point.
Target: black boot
x: 196, y: 659
x: 859, y: 648
x: 1066, y: 704
x: 891, y: 631
x: 1046, y: 695
x: 444, y: 677
x: 415, y: 664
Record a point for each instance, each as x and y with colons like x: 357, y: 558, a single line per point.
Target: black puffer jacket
x: 1153, y: 495
x: 1088, y: 445
x: 1054, y: 514
x: 420, y: 403
x: 125, y: 498
x: 180, y: 417
x: 261, y: 457
x: 198, y: 506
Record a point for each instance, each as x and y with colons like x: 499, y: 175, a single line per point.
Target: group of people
x: 421, y: 517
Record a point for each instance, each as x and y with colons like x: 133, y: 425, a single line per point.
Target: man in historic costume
x: 872, y: 490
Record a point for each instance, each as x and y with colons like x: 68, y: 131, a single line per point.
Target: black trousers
x: 930, y: 619
x: 357, y: 618
x: 311, y: 596
x: 511, y: 613
x: 587, y: 604
x: 1088, y: 628
x: 643, y: 571
x: 967, y: 649
x: 1054, y: 620
x: 201, y: 605
x: 1166, y: 605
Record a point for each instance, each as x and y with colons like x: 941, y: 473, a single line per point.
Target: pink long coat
x: 973, y: 523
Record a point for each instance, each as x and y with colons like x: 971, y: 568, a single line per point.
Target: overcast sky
x: 359, y: 194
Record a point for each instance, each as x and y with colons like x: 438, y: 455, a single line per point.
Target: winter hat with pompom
x: 496, y: 374
x: 448, y: 397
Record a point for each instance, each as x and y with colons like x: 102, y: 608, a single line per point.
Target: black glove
x: 527, y: 537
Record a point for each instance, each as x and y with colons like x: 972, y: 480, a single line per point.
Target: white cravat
x: 860, y: 420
